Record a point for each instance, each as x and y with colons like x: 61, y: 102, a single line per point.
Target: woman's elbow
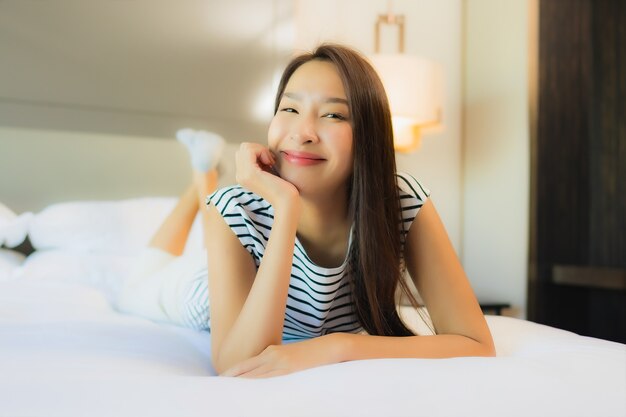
x: 223, y: 363
x: 481, y: 347
x: 216, y: 365
x: 488, y: 349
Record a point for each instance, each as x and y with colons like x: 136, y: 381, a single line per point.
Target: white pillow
x: 113, y: 227
x: 10, y: 260
x: 13, y: 228
x: 106, y: 272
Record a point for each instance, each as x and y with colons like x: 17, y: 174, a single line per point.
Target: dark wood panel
x: 563, y: 182
x: 621, y: 176
x: 590, y: 277
x: 606, y: 246
x: 579, y: 174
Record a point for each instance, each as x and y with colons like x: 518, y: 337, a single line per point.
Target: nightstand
x: 495, y: 308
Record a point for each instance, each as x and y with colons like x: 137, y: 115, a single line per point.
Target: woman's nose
x: 305, y: 132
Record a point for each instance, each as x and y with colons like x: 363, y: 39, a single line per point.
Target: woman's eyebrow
x: 336, y: 100
x: 296, y: 96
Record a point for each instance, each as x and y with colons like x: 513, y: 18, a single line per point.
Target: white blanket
x: 65, y: 352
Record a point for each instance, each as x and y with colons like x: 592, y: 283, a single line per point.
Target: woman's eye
x: 288, y: 110
x: 334, y: 116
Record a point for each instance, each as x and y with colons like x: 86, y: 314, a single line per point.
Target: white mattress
x: 65, y: 352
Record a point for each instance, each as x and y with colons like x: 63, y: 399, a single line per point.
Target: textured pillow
x: 10, y: 260
x: 107, y: 227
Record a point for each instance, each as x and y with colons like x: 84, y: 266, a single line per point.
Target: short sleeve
x: 413, y: 195
x: 249, y: 216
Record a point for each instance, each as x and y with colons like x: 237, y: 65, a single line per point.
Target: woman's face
x: 311, y: 133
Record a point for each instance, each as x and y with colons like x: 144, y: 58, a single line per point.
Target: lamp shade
x: 411, y: 84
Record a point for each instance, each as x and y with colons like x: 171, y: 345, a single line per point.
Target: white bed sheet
x: 65, y: 352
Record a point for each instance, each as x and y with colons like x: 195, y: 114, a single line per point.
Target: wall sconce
x: 412, y: 86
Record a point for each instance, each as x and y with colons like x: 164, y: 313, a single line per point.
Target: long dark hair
x: 375, y: 260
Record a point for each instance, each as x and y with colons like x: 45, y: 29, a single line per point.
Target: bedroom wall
x: 437, y: 163
x: 496, y: 166
x: 476, y: 166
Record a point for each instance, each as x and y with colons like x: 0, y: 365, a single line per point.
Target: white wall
x: 432, y: 30
x: 497, y: 150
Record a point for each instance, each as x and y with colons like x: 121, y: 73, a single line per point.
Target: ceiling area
x: 142, y: 67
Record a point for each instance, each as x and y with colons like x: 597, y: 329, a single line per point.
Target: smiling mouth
x: 302, y: 158
x: 302, y: 155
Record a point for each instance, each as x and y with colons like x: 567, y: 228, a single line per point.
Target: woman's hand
x: 284, y: 359
x: 254, y: 170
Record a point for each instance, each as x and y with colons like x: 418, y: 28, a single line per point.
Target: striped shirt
x: 319, y: 300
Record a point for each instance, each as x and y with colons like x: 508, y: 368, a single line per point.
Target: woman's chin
x: 303, y: 182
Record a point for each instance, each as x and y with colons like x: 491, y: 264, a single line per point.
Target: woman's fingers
x: 246, y: 162
x: 266, y: 161
x: 266, y: 157
x: 255, y: 155
x: 243, y: 367
x: 257, y: 372
x: 265, y: 374
x: 254, y: 171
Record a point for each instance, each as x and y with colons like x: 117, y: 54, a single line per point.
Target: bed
x: 66, y: 351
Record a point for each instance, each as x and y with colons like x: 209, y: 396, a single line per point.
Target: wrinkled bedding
x: 64, y: 351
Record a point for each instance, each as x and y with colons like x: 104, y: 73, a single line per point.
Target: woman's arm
x: 461, y: 328
x: 439, y: 277
x: 256, y: 320
x: 445, y: 289
x: 332, y: 348
x: 247, y: 306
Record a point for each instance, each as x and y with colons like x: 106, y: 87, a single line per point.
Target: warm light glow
x: 406, y: 134
x: 412, y: 85
x: 263, y: 106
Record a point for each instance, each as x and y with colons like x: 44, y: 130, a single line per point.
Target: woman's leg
x: 205, y: 183
x: 205, y: 150
x: 186, y: 298
x: 172, y: 235
x: 160, y: 283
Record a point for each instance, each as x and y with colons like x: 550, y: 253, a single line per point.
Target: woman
x: 305, y: 255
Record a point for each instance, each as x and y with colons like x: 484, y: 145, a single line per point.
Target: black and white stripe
x: 319, y: 299
x: 412, y: 197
